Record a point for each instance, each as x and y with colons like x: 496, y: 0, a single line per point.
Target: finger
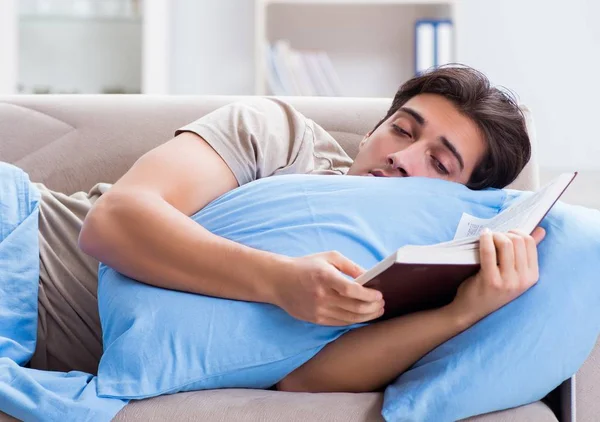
x: 352, y: 290
x: 487, y: 255
x: 343, y: 264
x: 531, y: 243
x: 342, y: 317
x: 506, y: 255
x: 520, y: 252
x: 357, y: 306
x: 532, y: 254
x: 332, y: 322
x: 538, y: 235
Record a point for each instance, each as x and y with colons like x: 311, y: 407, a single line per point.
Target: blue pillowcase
x: 19, y: 264
x: 159, y: 341
x: 521, y: 352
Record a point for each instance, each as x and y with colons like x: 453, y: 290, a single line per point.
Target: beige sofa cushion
x: 265, y: 406
x: 257, y: 405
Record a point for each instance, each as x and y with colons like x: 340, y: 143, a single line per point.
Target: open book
x: 415, y: 278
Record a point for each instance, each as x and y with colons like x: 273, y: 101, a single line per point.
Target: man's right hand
x: 312, y: 288
x: 509, y: 267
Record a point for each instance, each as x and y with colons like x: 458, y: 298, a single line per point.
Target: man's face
x: 426, y: 137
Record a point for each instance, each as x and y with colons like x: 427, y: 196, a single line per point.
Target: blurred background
x: 546, y: 51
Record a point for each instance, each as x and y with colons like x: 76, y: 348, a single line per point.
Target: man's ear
x: 364, y: 140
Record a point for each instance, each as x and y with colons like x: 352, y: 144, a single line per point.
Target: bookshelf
x: 84, y: 46
x: 370, y: 43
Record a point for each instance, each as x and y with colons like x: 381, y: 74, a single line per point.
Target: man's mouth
x: 377, y: 173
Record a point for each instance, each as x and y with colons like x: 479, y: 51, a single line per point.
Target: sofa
x: 71, y: 142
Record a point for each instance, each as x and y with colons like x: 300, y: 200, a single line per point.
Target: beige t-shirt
x: 262, y: 137
x: 256, y: 138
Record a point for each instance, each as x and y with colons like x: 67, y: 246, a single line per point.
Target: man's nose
x: 395, y: 165
x: 406, y: 161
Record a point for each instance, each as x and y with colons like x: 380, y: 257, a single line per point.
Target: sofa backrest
x: 71, y: 142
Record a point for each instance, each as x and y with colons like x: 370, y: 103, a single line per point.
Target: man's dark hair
x: 495, y: 112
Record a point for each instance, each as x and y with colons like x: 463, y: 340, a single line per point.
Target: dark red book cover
x: 410, y: 288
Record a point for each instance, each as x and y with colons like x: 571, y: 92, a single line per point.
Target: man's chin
x: 356, y: 172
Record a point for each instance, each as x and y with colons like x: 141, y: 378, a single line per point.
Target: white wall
x: 212, y: 47
x: 156, y: 47
x: 548, y: 51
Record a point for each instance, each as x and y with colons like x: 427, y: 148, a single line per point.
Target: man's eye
x: 439, y: 166
x: 401, y: 131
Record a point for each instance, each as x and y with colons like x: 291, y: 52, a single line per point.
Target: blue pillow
x: 524, y: 350
x: 19, y: 264
x: 160, y: 341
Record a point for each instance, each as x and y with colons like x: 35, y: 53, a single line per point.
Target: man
x: 448, y: 124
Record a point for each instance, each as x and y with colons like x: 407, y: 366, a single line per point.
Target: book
x: 292, y: 72
x: 273, y: 78
x: 330, y: 73
x: 317, y: 74
x: 301, y: 75
x: 281, y: 66
x: 416, y: 278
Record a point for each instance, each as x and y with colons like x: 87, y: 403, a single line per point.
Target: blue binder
x: 434, y: 43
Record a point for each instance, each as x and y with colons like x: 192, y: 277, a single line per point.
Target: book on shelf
x: 274, y: 79
x: 281, y: 70
x: 416, y: 278
x: 317, y: 75
x: 303, y: 82
x: 333, y: 80
x: 295, y: 72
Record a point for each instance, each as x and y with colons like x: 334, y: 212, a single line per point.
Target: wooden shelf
x: 369, y: 62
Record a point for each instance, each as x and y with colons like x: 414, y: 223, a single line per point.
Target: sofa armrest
x: 587, y: 388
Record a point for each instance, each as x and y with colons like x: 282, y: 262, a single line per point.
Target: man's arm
x: 141, y: 228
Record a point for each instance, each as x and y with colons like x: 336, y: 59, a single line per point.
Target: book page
x: 470, y: 226
x: 524, y: 214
